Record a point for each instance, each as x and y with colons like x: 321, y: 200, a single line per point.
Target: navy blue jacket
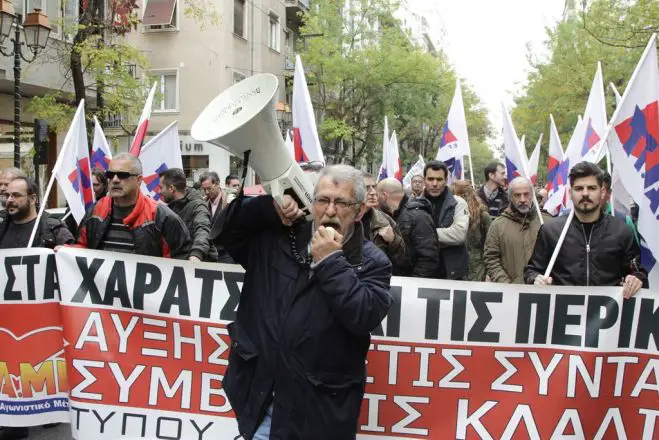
x: 301, y: 334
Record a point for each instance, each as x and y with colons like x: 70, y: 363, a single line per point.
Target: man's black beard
x: 20, y: 214
x: 586, y: 210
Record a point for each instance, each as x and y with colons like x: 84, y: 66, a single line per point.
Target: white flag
x: 305, y: 133
x: 158, y: 155
x: 454, y: 143
x: 416, y: 170
x: 101, y: 155
x: 634, y: 144
x: 143, y: 124
x: 534, y: 161
x: 72, y: 169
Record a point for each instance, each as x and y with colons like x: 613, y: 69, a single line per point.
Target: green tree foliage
x: 611, y: 31
x: 364, y: 68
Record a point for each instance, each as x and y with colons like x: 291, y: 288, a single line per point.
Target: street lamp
x: 36, y: 31
x: 284, y: 116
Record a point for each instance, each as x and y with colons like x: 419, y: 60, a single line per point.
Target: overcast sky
x: 486, y: 41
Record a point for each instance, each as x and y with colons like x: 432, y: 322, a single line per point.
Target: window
x: 160, y: 15
x: 239, y: 17
x: 168, y: 86
x: 49, y: 7
x: 70, y: 12
x: 274, y: 32
x: 237, y: 77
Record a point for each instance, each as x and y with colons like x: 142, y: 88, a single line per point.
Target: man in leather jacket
x: 599, y: 250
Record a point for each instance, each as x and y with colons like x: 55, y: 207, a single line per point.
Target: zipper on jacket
x: 587, y: 251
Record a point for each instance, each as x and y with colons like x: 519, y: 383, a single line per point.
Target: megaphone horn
x: 243, y: 118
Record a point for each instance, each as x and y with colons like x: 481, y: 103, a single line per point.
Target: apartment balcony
x: 302, y: 5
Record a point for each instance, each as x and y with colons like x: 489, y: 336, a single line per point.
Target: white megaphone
x: 243, y: 118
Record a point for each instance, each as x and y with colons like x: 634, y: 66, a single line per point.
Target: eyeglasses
x: 324, y: 202
x: 122, y: 175
x: 15, y: 196
x: 369, y: 188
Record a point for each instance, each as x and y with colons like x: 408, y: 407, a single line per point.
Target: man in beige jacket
x: 511, y: 238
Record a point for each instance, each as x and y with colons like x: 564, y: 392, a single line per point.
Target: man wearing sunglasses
x: 127, y: 221
x: 312, y: 293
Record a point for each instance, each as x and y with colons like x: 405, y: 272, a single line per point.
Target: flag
x: 621, y: 201
x: 386, y: 140
x: 101, y: 155
x: 616, y: 93
x: 571, y: 158
x: 143, y: 124
x: 557, y: 172
x: 515, y: 165
x: 289, y: 143
x: 454, y: 143
x: 158, y: 155
x: 591, y: 145
x: 416, y: 170
x: 634, y: 145
x: 393, y: 167
x: 534, y: 161
x: 73, y: 172
x: 305, y: 134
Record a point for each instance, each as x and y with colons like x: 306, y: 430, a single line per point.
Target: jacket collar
x: 143, y: 212
x: 378, y: 220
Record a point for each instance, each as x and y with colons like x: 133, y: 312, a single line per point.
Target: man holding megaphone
x: 312, y: 293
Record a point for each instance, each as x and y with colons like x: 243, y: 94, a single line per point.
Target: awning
x: 158, y: 12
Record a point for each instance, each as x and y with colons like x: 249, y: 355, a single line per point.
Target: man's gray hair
x: 15, y: 172
x: 135, y: 162
x: 517, y: 181
x: 345, y: 174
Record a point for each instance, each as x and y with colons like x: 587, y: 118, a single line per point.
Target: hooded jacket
x: 509, y: 245
x: 414, y: 218
x: 195, y: 214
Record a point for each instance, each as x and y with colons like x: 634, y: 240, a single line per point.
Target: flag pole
x: 528, y: 176
x: 53, y: 174
x: 471, y: 171
x: 559, y: 244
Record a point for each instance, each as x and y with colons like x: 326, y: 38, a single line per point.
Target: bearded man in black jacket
x: 599, y: 250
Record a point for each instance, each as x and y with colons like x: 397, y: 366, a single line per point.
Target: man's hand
x: 542, y: 280
x: 289, y: 212
x: 324, y: 243
x: 630, y: 286
x: 387, y: 233
x: 194, y: 259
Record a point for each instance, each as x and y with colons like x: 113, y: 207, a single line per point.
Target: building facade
x: 45, y: 74
x: 194, y: 62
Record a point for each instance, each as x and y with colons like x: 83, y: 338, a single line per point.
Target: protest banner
x: 147, y: 349
x: 33, y: 387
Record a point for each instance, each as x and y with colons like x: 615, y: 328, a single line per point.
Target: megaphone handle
x: 277, y: 192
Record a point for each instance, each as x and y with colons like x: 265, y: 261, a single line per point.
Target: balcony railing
x: 302, y: 4
x: 113, y: 121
